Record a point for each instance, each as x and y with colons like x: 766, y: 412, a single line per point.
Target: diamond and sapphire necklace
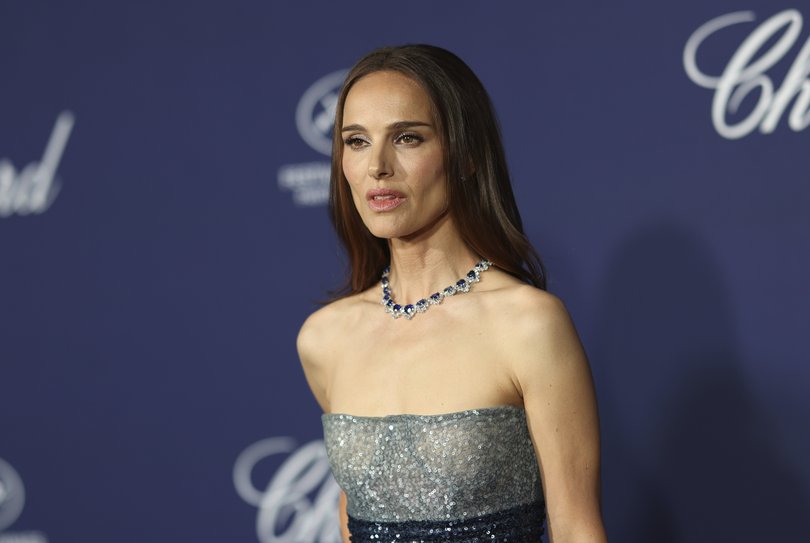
x: 408, y: 311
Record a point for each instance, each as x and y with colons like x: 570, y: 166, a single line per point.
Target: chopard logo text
x: 747, y: 73
x: 300, y: 501
x: 34, y: 188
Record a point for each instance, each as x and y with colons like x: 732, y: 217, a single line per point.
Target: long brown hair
x: 481, y: 201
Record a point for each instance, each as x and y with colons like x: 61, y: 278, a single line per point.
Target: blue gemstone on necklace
x: 461, y: 283
x: 471, y: 275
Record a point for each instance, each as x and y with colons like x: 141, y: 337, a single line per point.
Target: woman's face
x: 393, y: 156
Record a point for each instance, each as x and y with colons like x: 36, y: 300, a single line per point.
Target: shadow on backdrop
x: 687, y: 454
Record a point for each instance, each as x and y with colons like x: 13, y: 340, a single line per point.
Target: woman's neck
x: 428, y: 262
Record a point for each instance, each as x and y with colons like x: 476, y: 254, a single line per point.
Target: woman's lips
x: 384, y: 199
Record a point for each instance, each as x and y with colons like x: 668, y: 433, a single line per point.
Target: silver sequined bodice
x: 433, y: 467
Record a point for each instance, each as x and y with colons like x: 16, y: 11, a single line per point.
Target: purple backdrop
x: 163, y: 236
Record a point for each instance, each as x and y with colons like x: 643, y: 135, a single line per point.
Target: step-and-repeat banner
x: 163, y: 234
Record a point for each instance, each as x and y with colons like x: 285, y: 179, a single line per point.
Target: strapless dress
x: 464, y: 477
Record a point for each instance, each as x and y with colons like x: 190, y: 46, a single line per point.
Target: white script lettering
x: 743, y: 74
x: 34, y: 188
x: 285, y: 501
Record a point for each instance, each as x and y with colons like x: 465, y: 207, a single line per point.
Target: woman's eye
x: 354, y: 142
x: 409, y: 139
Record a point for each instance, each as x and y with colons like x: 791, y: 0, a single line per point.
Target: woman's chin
x: 386, y: 229
x: 386, y: 233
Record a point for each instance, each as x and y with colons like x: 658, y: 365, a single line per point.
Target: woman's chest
x: 453, y: 465
x: 421, y: 369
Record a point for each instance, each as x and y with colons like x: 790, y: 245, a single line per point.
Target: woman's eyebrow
x: 399, y: 125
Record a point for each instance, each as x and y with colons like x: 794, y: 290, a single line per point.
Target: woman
x: 471, y: 414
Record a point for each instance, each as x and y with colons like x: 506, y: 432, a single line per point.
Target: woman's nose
x: 379, y: 164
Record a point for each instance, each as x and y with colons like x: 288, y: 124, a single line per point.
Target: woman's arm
x: 552, y: 372
x: 311, y: 339
x: 344, y: 519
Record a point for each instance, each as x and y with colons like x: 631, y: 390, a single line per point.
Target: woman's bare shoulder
x: 517, y: 303
x: 540, y: 306
x: 323, y: 330
x: 319, y: 341
x: 533, y: 320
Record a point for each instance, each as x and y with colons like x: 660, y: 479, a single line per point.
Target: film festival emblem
x: 34, y: 188
x: 12, y: 501
x: 314, y: 119
x: 748, y: 74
